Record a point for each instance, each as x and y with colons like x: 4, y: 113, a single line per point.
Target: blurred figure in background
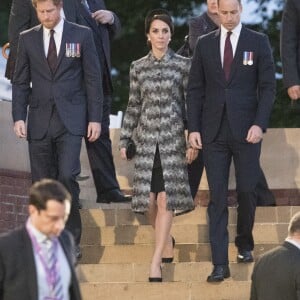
x: 37, y: 261
x: 276, y: 274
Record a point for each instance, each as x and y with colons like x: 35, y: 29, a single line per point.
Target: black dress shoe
x: 219, y: 273
x: 155, y: 279
x: 114, y: 196
x: 168, y: 260
x: 244, y: 256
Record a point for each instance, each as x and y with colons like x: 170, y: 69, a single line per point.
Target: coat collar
x: 168, y: 55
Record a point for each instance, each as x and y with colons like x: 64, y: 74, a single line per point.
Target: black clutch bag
x: 130, y: 149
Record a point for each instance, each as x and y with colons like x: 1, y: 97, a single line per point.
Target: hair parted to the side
x: 294, y: 225
x: 55, y: 2
x: 47, y: 189
x: 158, y: 14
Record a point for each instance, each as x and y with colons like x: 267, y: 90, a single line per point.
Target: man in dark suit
x: 230, y: 95
x: 198, y: 26
x: 23, y: 16
x: 65, y: 101
x: 27, y: 254
x: 105, y: 26
x: 276, y: 274
x: 290, y: 48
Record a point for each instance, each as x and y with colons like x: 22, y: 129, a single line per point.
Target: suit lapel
x: 62, y: 50
x: 216, y: 53
x: 40, y: 47
x: 25, y: 246
x: 238, y: 57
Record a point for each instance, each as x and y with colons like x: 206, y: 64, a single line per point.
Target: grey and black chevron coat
x: 155, y: 115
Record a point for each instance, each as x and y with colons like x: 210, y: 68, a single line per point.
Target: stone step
x: 227, y: 290
x: 264, y: 233
x: 121, y: 214
x: 139, y: 253
x: 139, y: 272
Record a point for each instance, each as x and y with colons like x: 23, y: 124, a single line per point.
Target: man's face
x: 50, y: 221
x: 48, y: 14
x: 229, y: 13
x: 212, y: 6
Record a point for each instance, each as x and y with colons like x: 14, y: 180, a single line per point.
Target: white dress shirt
x: 291, y: 241
x: 57, y: 36
x: 234, y: 38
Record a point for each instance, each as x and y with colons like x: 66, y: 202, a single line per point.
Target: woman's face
x: 159, y: 35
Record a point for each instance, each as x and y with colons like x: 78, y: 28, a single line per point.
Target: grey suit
x: 223, y: 112
x: 276, y: 274
x: 18, y: 276
x: 60, y: 106
x: 23, y: 16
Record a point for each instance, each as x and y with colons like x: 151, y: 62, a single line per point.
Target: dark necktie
x: 228, y: 55
x: 52, y: 54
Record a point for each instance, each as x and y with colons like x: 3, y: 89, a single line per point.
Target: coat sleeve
x: 134, y: 107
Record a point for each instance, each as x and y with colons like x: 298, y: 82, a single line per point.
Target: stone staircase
x: 117, y: 247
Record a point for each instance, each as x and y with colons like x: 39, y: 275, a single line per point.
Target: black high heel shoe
x: 168, y: 260
x: 156, y: 279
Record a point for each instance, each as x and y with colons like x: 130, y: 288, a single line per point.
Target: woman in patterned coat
x: 156, y: 112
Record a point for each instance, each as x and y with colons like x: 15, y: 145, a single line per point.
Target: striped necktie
x: 57, y: 286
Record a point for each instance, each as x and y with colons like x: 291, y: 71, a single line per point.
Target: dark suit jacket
x: 22, y: 17
x: 290, y: 43
x: 73, y: 88
x: 103, y: 34
x: 248, y: 95
x: 199, y: 26
x: 276, y: 274
x: 18, y: 277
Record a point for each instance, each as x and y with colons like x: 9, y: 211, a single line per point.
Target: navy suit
x: 60, y: 106
x: 223, y: 112
x: 100, y: 152
x: 18, y: 275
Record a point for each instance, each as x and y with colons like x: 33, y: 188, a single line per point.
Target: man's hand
x: 93, y: 131
x: 294, y: 92
x: 103, y: 16
x: 195, y: 140
x: 20, y: 129
x: 255, y: 134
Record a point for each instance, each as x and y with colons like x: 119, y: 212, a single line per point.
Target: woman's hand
x: 123, y: 153
x: 191, y: 154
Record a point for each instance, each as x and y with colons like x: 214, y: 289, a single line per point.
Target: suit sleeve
x: 253, y: 293
x: 92, y: 78
x: 21, y: 83
x: 266, y: 84
x: 115, y: 28
x: 289, y: 44
x: 195, y: 91
x: 19, y: 20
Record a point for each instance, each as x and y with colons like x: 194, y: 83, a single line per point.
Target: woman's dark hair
x: 158, y: 14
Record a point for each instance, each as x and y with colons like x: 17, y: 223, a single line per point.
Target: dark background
x: 131, y: 44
